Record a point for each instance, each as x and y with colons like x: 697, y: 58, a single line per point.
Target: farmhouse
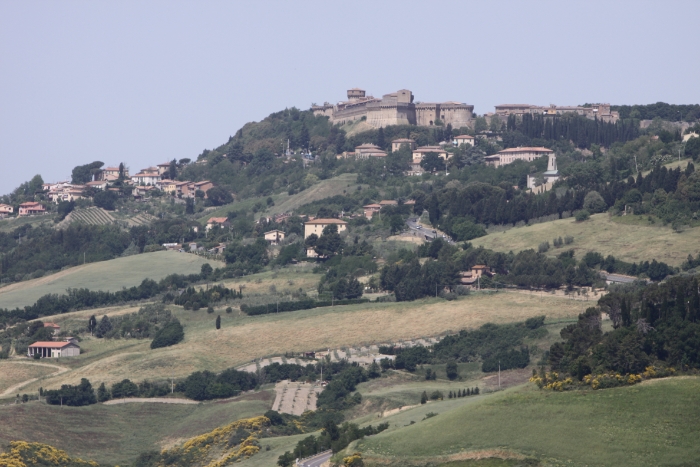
x: 371, y: 209
x: 5, y: 210
x: 471, y: 277
x: 274, y: 236
x: 53, y: 349
x: 30, y: 208
x: 214, y: 221
x: 316, y: 226
x: 54, y: 327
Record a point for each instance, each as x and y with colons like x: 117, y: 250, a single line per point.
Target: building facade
x: 599, y: 111
x: 510, y: 155
x: 396, y: 108
x: 316, y: 226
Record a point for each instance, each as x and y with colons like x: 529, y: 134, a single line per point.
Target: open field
x: 106, y: 275
x: 283, y: 281
x: 242, y: 339
x: 118, y: 433
x: 651, y: 424
x: 14, y: 372
x: 602, y: 233
x: 285, y: 203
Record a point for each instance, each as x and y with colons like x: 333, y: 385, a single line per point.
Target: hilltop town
x: 356, y: 277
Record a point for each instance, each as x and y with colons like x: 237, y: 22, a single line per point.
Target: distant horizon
x: 141, y: 83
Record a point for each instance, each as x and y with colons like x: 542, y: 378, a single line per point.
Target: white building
x: 54, y: 349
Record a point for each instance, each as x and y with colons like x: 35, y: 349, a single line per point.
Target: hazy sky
x: 145, y: 82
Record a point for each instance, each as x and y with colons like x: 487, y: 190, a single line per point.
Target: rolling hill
x: 630, y: 238
x: 106, y: 275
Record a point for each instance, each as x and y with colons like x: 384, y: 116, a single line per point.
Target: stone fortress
x: 396, y: 108
x: 599, y: 111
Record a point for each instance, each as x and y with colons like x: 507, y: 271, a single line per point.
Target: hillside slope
x: 633, y: 242
x: 106, y: 275
x: 652, y: 424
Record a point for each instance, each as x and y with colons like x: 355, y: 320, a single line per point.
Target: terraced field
x: 88, y: 216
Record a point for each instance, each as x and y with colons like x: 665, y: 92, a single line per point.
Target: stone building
x: 599, y: 111
x: 397, y: 143
x: 518, y: 154
x: 396, y: 108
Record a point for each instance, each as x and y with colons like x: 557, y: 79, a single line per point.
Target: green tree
x: 594, y: 202
x: 83, y: 173
x: 218, y: 321
x: 424, y: 397
x: 105, y: 200
x: 217, y: 196
x: 304, y: 138
x: 102, y: 393
x: 329, y: 243
x: 451, y: 370
x: 168, y: 335
x: 432, y: 162
x: 206, y: 270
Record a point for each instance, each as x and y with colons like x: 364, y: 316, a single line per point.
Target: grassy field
x: 116, y: 434
x: 14, y: 372
x: 242, y: 339
x: 9, y: 224
x: 106, y: 275
x: 655, y: 423
x: 285, y: 203
x: 626, y: 239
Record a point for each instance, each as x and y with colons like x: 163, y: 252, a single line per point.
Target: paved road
x: 317, y: 460
x: 427, y: 233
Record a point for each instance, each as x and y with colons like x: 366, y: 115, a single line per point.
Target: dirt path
x: 161, y: 400
x: 12, y: 390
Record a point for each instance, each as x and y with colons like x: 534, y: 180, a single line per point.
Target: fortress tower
x: 355, y: 94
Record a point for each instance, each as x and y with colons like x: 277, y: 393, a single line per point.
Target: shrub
x: 543, y: 247
x: 582, y: 215
x: 170, y: 334
x: 451, y: 370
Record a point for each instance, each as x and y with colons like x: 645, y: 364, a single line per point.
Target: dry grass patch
x: 243, y: 339
x: 16, y: 372
x: 601, y: 233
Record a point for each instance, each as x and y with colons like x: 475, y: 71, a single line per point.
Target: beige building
x: 6, y: 210
x: 274, y: 236
x: 599, y: 111
x: 463, y: 139
x: 53, y: 349
x: 371, y: 209
x: 420, y: 153
x: 31, y: 208
x: 395, y: 109
x: 397, y: 143
x: 366, y: 151
x: 316, y: 226
x: 517, y: 154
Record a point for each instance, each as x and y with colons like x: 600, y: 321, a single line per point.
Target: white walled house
x: 53, y: 349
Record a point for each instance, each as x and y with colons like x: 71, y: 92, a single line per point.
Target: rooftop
x: 326, y: 221
x: 524, y: 149
x: 51, y: 345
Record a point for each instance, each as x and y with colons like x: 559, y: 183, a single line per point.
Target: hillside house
x: 463, y: 139
x: 31, y: 208
x: 162, y: 168
x: 98, y: 185
x: 388, y: 202
x: 217, y: 221
x: 149, y: 176
x: 55, y: 328
x: 274, y: 236
x: 110, y: 174
x: 397, y: 143
x: 316, y: 226
x: 204, y: 185
x: 371, y: 209
x: 141, y: 191
x: 6, y: 210
x: 53, y: 349
x: 420, y: 153
x: 471, y: 277
x: 365, y: 151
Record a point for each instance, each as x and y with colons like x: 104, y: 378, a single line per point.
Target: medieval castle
x: 395, y: 109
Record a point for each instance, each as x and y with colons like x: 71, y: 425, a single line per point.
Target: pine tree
x: 469, y: 392
x: 218, y: 321
x: 102, y: 393
x: 381, y: 142
x: 476, y: 391
x: 694, y: 305
x: 424, y: 397
x: 449, y: 396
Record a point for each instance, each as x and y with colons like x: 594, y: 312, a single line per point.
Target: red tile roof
x: 51, y: 345
x: 326, y: 221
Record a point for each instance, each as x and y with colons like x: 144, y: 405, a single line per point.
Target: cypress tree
x: 476, y: 390
x: 449, y: 396
x: 218, y: 321
x: 424, y: 397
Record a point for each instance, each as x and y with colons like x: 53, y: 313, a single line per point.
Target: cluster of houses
x: 65, y: 347
x: 152, y: 178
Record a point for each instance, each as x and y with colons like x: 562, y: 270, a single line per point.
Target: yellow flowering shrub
x: 23, y: 454
x: 552, y: 381
x: 213, y: 449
